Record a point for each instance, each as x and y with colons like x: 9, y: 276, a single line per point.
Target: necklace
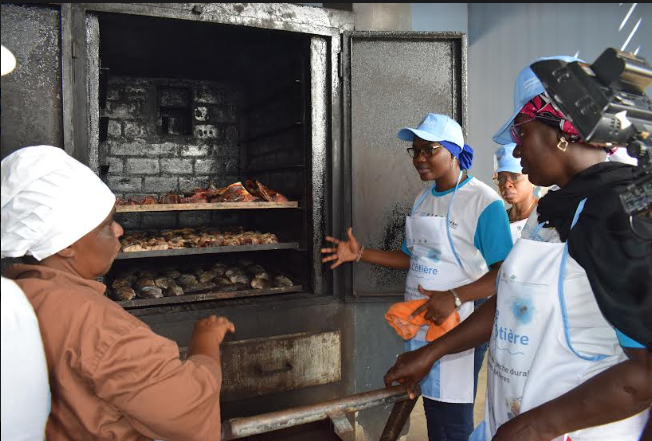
x: 526, y: 212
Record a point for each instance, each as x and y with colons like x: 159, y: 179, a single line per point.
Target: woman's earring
x: 562, y: 144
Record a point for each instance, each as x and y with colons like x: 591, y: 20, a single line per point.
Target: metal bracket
x: 341, y: 424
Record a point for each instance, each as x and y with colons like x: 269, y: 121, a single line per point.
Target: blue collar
x: 450, y: 190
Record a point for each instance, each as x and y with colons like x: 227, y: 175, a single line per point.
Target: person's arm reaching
x: 411, y: 367
x: 614, y: 394
x: 349, y: 251
x: 162, y: 397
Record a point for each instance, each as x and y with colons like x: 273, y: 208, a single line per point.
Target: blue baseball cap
x: 506, y: 160
x: 435, y: 128
x: 526, y: 87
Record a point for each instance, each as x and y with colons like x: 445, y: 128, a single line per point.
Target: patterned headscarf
x: 541, y: 106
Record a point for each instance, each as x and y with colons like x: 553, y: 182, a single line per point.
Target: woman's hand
x: 439, y: 306
x: 345, y: 251
x: 208, y: 335
x: 410, y: 368
x: 213, y: 327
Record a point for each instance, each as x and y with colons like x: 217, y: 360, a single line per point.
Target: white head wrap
x: 8, y: 61
x: 49, y: 201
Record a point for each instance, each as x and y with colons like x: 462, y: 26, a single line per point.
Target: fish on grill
x: 123, y: 293
x: 150, y: 292
x: 233, y: 272
x: 207, y: 276
x: 240, y: 279
x: 264, y: 193
x: 121, y: 283
x: 281, y: 281
x: 187, y: 280
x: 235, y: 192
x: 173, y: 291
x: 257, y: 271
x: 172, y: 274
x: 260, y: 283
x: 222, y: 281
x: 164, y: 282
x: 147, y: 274
x: 219, y: 269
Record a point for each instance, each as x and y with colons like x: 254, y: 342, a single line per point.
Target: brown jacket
x: 111, y: 377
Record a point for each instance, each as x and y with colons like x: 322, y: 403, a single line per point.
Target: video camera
x: 606, y: 102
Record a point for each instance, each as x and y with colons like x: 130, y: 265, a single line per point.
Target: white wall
x: 440, y: 17
x: 505, y: 37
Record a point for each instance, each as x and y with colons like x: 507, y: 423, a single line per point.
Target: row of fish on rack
x: 236, y: 192
x: 149, y: 284
x: 193, y: 238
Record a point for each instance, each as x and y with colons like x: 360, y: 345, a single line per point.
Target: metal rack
x: 208, y: 250
x: 213, y: 295
x: 207, y: 206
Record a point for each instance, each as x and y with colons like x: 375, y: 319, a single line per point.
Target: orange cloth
x: 398, y: 317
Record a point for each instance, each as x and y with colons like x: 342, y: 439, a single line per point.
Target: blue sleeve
x: 627, y: 342
x: 492, y: 235
x: 404, y: 248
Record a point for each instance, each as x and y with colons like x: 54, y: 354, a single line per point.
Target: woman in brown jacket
x: 111, y: 377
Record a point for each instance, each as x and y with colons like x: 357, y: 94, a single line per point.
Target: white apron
x: 517, y: 229
x: 531, y: 358
x: 435, y: 265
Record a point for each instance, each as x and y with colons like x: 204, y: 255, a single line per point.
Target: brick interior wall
x: 143, y: 160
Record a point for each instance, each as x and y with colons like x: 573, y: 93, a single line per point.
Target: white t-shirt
x: 478, y: 221
x: 25, y: 388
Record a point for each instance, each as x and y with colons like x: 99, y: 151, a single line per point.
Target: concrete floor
x: 418, y: 430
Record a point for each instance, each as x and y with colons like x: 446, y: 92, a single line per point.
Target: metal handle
x: 260, y: 370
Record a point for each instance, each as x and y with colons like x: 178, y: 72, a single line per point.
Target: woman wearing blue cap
x: 456, y: 237
x: 570, y: 353
x: 515, y: 188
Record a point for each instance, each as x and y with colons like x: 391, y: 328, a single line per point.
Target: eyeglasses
x: 512, y: 177
x: 425, y: 152
x: 516, y: 136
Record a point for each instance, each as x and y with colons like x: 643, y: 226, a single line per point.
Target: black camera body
x: 606, y: 102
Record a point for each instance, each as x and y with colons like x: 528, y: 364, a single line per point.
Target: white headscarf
x: 49, y: 201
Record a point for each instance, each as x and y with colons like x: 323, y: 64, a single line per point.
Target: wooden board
x: 208, y: 250
x: 207, y: 206
x: 215, y: 295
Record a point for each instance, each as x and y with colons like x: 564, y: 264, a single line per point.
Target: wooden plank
x: 219, y: 295
x: 208, y: 250
x: 207, y: 206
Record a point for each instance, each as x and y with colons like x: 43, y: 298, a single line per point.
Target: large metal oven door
x: 390, y: 81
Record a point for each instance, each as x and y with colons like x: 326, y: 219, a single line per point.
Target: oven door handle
x: 260, y: 370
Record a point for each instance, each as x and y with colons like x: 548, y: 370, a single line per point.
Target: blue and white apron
x: 435, y: 265
x: 532, y: 359
x: 516, y: 228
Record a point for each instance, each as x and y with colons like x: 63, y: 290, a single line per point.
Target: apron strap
x: 450, y: 238
x: 421, y: 199
x: 448, y: 230
x: 560, y: 290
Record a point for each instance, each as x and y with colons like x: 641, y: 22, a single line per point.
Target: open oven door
x: 390, y: 81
